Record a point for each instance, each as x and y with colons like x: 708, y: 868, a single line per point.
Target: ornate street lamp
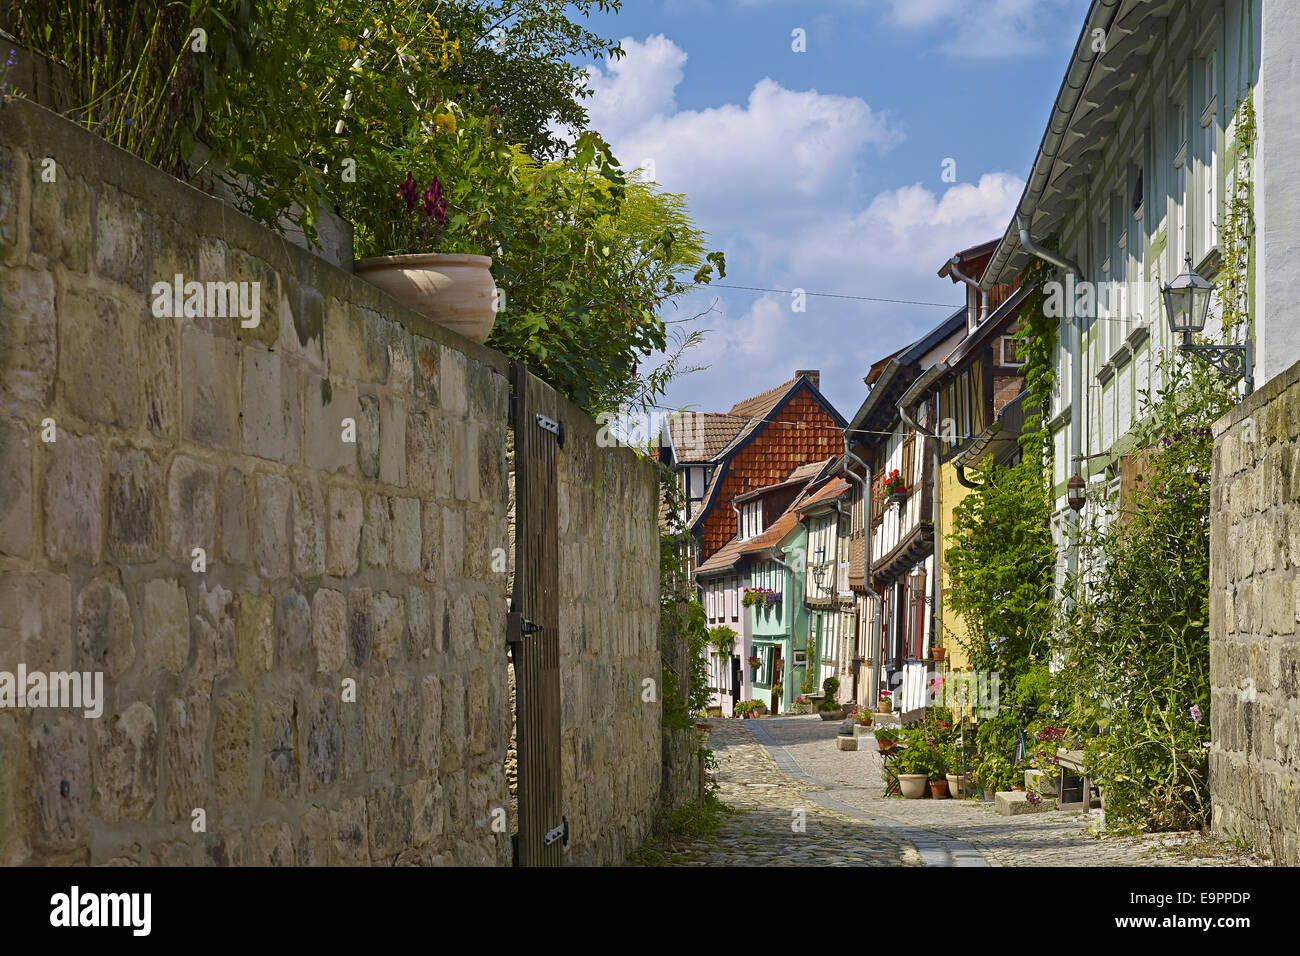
x: 1076, y: 492
x: 917, y: 580
x: 1187, y: 304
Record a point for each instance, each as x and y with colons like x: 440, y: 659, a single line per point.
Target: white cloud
x: 779, y: 141
x: 995, y: 29
x: 780, y: 182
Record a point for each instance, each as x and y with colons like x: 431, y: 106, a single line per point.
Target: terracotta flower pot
x: 938, y: 789
x: 454, y: 291
x: 885, y: 706
x: 912, y: 785
x: 939, y: 653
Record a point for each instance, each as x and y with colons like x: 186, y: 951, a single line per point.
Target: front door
x: 778, y: 677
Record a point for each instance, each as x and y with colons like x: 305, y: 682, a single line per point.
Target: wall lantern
x: 917, y: 581
x: 1076, y: 492
x: 1187, y: 305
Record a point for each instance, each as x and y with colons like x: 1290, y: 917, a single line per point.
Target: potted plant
x: 892, y: 489
x: 938, y: 653
x: 887, y: 740
x: 830, y: 709
x: 886, y: 702
x: 456, y: 291
x: 755, y: 663
x: 723, y: 639
x: 750, y: 597
x: 913, y: 767
x: 778, y: 689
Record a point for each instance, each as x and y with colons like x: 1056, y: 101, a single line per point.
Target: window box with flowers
x: 755, y: 663
x: 892, y: 490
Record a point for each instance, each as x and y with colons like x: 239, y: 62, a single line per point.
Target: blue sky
x: 823, y: 170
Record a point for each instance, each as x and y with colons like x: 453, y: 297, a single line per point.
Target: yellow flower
x: 343, y: 43
x: 302, y: 85
x: 445, y: 121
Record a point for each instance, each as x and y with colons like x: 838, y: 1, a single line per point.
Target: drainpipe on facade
x: 905, y: 403
x: 1076, y: 374
x: 956, y: 273
x: 874, y: 627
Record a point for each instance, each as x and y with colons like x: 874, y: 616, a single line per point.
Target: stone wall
x: 609, y: 644
x: 1254, y: 638
x: 324, y: 561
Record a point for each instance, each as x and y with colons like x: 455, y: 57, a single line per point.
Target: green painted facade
x: 780, y: 630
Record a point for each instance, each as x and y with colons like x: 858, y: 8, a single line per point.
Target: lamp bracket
x: 1232, y: 361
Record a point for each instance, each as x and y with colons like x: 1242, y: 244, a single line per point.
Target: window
x: 1208, y: 211
x: 1178, y: 200
x: 751, y: 524
x: 1009, y: 355
x: 735, y: 599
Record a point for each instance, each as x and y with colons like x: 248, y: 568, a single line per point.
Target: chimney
x: 813, y: 375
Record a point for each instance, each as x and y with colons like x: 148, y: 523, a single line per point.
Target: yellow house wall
x: 951, y: 628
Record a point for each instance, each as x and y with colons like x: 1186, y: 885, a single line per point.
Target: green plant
x: 683, y: 624
x: 746, y: 707
x: 722, y: 639
x: 831, y: 687
x: 923, y: 753
x: 137, y: 69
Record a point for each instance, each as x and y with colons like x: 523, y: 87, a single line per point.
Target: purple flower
x: 434, y: 205
x: 1196, y: 713
x: 13, y: 58
x: 1206, y: 745
x: 409, y: 191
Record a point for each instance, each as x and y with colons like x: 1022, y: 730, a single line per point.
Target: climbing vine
x: 1237, y: 234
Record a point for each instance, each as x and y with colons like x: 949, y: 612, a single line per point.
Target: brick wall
x: 325, y: 561
x: 1254, y: 638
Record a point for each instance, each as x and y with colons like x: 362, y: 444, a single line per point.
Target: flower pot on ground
x: 833, y: 713
x: 913, y: 785
x: 939, y: 788
x: 452, y: 290
x: 886, y: 703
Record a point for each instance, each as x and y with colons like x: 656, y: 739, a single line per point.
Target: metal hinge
x: 558, y: 833
x: 517, y: 628
x: 552, y: 426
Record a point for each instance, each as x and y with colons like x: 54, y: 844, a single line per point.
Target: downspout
x: 790, y: 663
x: 874, y: 626
x: 905, y: 403
x: 956, y: 273
x: 1076, y: 370
x: 738, y: 518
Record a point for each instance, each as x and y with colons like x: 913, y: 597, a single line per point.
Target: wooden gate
x: 534, y: 622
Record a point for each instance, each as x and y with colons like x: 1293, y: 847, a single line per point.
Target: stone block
x: 271, y: 844
x: 99, y: 361
x: 431, y: 546
x: 312, y: 846
x: 271, y: 537
x: 1015, y: 802
x: 248, y: 268
x: 271, y: 407
x: 320, y: 726
x: 326, y: 405
x: 61, y: 794
x: 191, y: 509
x: 453, y: 381
x: 293, y: 632
x: 165, y: 625
x: 185, y: 742
x: 74, y: 492
x: 309, y: 528
x: 454, y: 742
x: 481, y: 711
x: 329, y: 629
x: 15, y: 489
x: 351, y: 835
x: 846, y: 743
x: 424, y: 618
x: 389, y: 813
x: 28, y: 350
x: 125, y: 765
x: 104, y: 629
x: 427, y: 811
x: 210, y: 389
x: 134, y: 507
x: 232, y: 747
x: 236, y: 505
x: 15, y: 211
x: 392, y: 442
x: 406, y: 556
x: 215, y: 635
x: 343, y: 544
x: 384, y: 706
x: 453, y: 544
x: 120, y: 226
x: 35, y: 620
x: 60, y: 226
x: 255, y: 635
x: 368, y: 436
x: 279, y: 736
x: 422, y: 455
x: 377, y: 534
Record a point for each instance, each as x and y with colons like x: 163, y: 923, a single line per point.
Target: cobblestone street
x: 801, y: 802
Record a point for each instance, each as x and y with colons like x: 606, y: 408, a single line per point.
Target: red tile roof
x: 828, y: 492
x: 702, y: 436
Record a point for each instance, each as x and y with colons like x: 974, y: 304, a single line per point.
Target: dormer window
x: 751, y: 520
